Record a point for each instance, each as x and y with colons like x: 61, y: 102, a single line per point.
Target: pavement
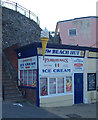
x: 26, y: 110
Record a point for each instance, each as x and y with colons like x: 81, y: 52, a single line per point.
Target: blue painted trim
x: 63, y: 56
x: 77, y: 19
x: 26, y: 50
x: 93, y: 57
x: 27, y: 87
x: 38, y: 99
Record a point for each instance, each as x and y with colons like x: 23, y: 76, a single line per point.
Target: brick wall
x: 11, y: 55
x: 31, y: 95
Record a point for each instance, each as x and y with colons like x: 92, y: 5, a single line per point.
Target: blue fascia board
x: 31, y: 49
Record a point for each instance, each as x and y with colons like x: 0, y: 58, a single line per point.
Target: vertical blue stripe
x: 38, y: 99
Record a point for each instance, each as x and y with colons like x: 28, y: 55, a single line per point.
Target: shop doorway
x: 78, y: 88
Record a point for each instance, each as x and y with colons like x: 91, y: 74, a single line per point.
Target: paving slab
x: 82, y: 110
x: 26, y: 110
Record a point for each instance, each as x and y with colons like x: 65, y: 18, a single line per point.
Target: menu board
x: 91, y: 77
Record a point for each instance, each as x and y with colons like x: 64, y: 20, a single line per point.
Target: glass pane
x: 52, y: 85
x: 68, y: 83
x: 30, y: 77
x: 60, y: 85
x: 72, y: 32
x: 25, y: 77
x: 21, y: 77
x: 35, y: 78
x: 43, y: 87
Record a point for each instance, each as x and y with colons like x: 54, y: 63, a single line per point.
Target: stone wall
x: 16, y: 28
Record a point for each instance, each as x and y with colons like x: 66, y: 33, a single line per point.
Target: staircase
x: 10, y: 90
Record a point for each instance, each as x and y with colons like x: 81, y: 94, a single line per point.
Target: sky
x: 50, y: 12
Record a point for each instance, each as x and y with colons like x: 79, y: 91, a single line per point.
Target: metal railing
x: 16, y: 7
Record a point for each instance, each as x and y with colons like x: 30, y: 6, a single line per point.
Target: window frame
x: 57, y: 94
x: 27, y: 81
x: 72, y: 29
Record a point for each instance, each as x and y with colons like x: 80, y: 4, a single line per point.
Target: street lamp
x: 44, y: 40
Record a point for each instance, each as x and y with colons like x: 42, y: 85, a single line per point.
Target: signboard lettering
x: 27, y: 63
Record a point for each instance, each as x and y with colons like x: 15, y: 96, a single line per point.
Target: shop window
x: 68, y: 83
x: 25, y: 78
x: 35, y: 78
x: 43, y: 86
x: 91, y: 78
x: 52, y: 85
x: 21, y: 77
x: 55, y: 86
x: 29, y: 77
x: 21, y: 74
x: 60, y: 83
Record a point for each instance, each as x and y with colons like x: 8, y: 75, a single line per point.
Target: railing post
x: 29, y: 13
x: 16, y: 7
x: 37, y: 19
x: 25, y: 12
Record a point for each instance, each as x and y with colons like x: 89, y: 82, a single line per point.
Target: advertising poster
x: 78, y: 64
x: 68, y: 84
x: 54, y: 65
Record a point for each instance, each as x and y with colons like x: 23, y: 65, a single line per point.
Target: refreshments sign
x: 55, y: 65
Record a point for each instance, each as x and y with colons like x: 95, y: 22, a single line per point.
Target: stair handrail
x: 18, y: 8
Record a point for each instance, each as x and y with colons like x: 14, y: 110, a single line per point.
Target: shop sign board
x: 55, y: 65
x: 27, y: 63
x: 63, y: 52
x: 78, y: 64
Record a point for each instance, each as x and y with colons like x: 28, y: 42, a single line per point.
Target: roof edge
x: 77, y: 19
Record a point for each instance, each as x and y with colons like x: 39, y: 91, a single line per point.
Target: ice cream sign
x: 55, y: 65
x: 27, y: 63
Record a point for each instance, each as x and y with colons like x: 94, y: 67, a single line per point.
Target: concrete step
x: 10, y: 89
x: 9, y: 83
x: 12, y: 92
x: 12, y: 95
x: 12, y: 98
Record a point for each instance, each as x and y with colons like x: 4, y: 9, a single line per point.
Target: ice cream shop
x: 65, y: 76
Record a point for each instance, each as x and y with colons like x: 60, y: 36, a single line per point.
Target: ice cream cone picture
x: 44, y: 40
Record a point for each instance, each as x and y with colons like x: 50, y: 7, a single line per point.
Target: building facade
x: 66, y: 75
x: 78, y: 31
